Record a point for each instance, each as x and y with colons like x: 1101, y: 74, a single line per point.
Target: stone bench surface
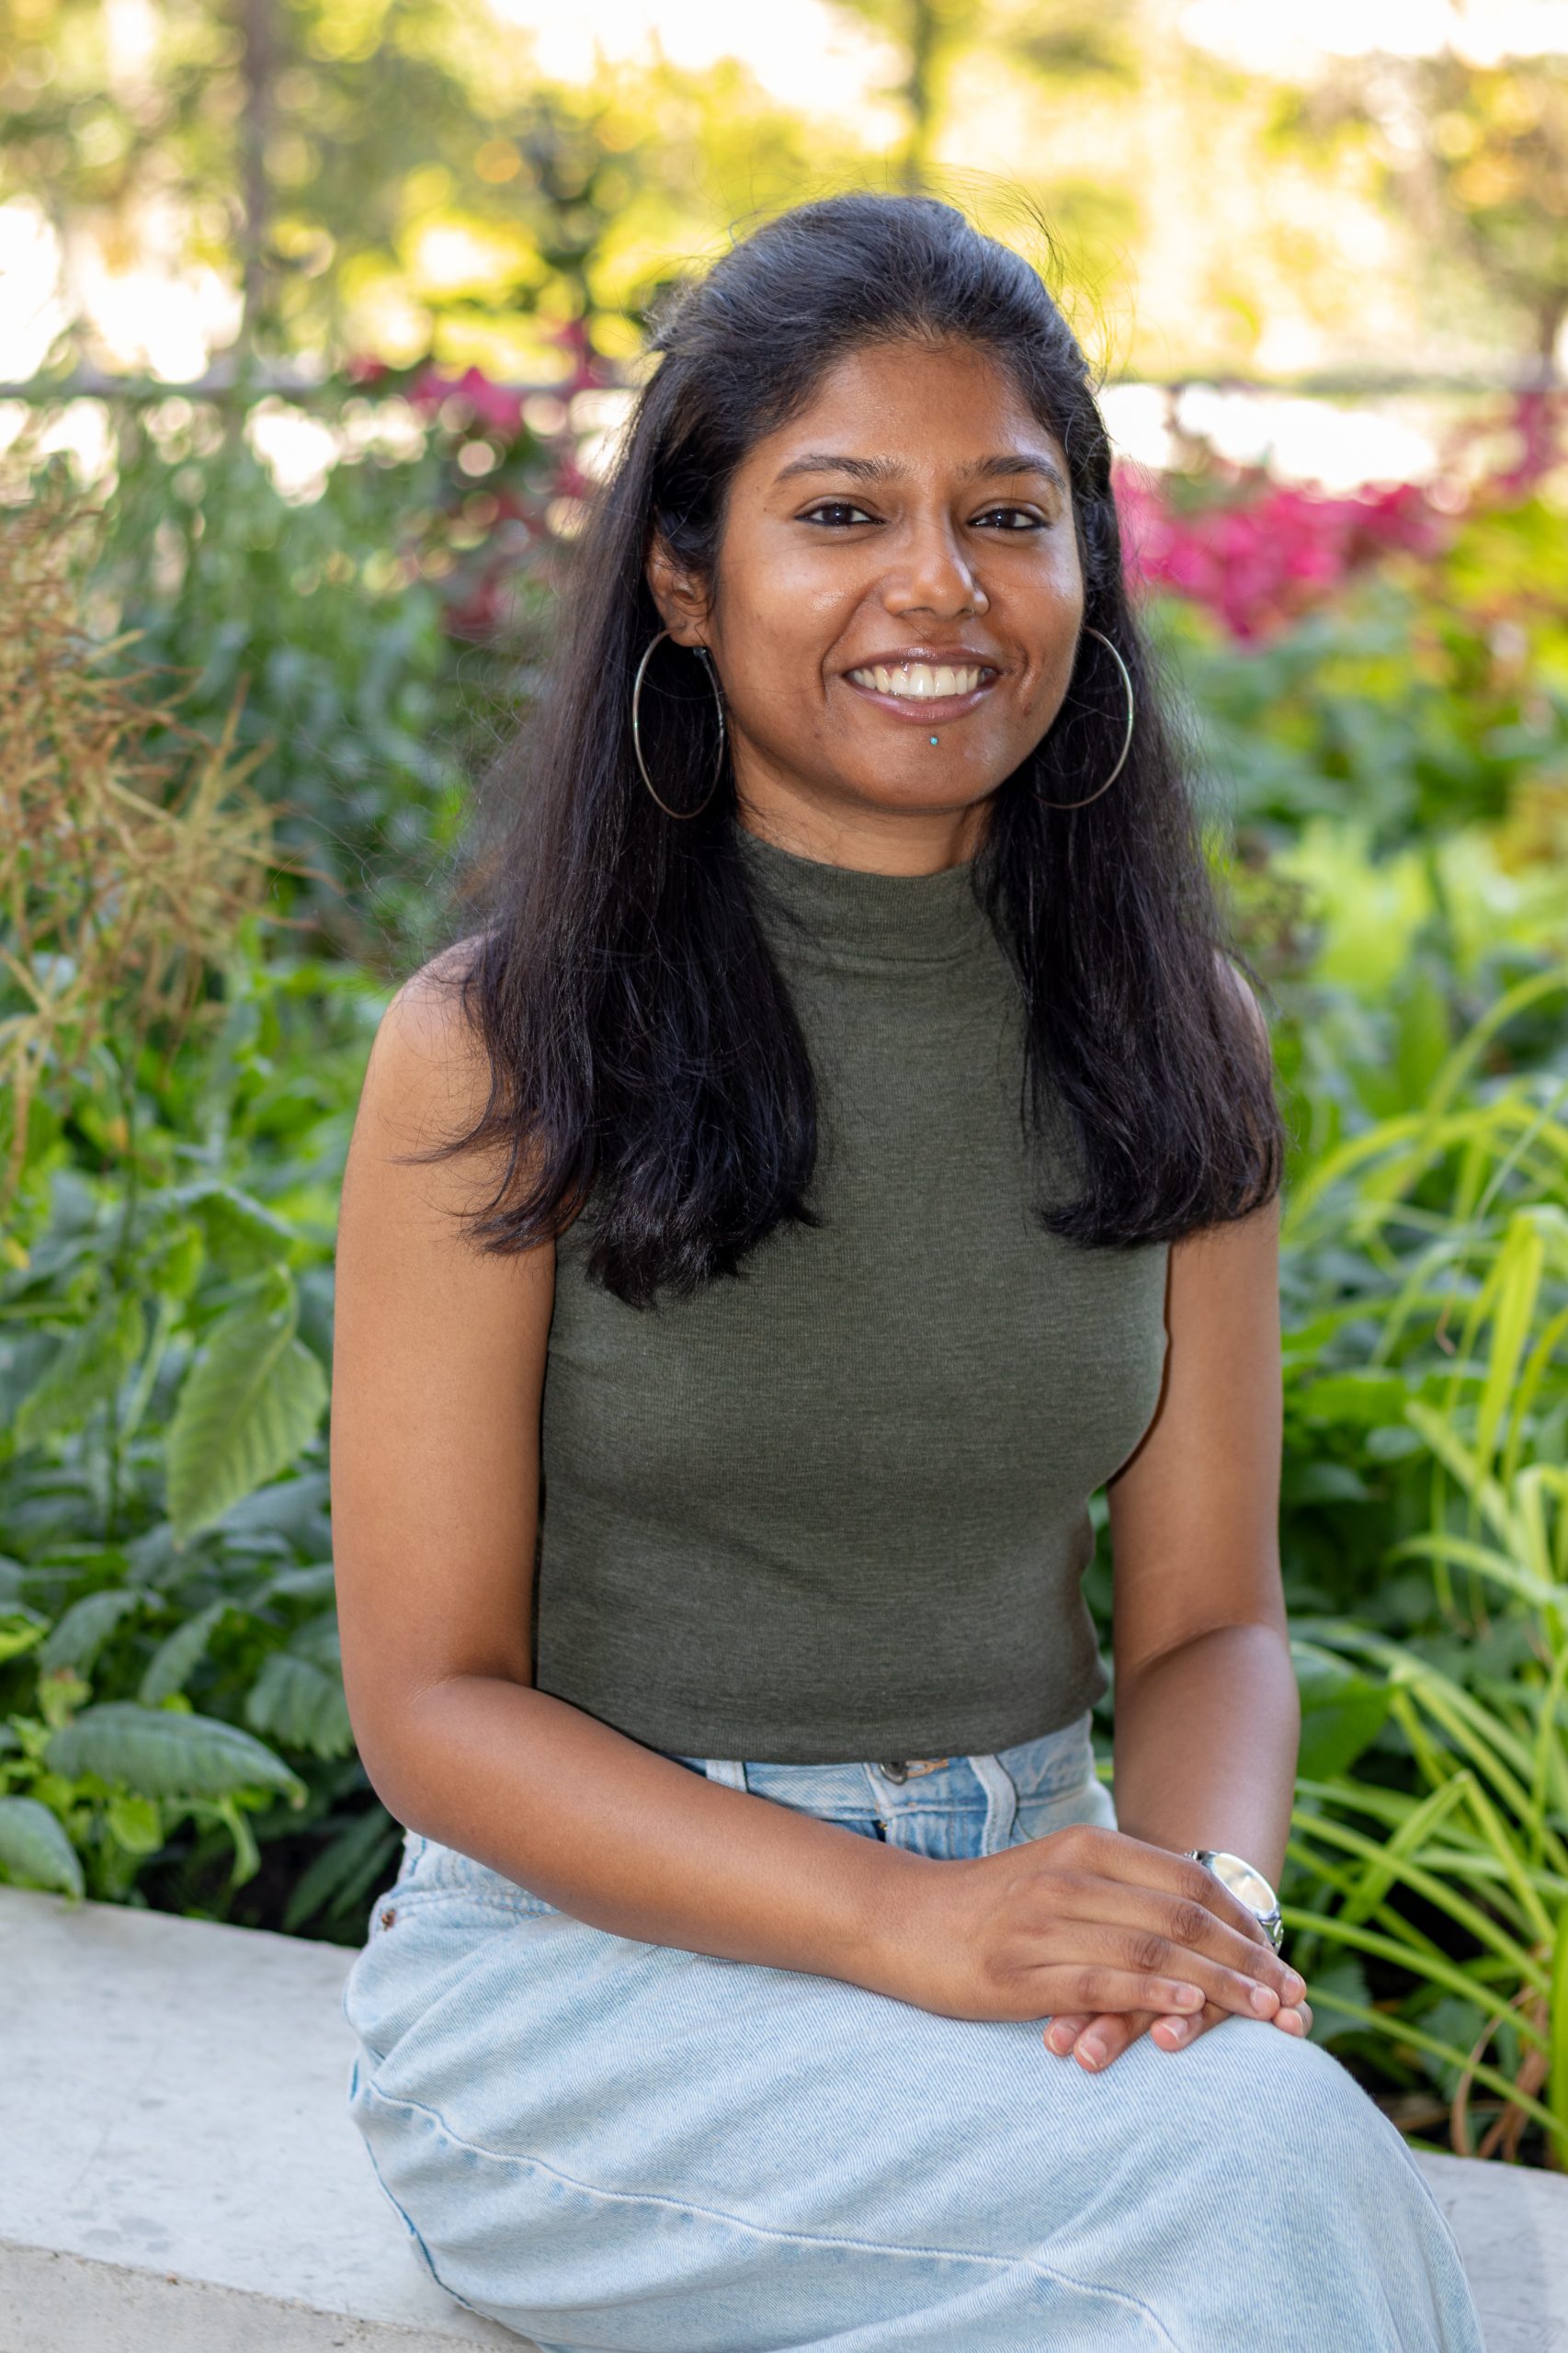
x: 178, y: 2169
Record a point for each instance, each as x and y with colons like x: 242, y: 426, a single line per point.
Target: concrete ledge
x: 177, y: 2166
x: 178, y: 2170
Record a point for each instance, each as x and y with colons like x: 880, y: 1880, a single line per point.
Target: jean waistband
x: 1046, y: 1767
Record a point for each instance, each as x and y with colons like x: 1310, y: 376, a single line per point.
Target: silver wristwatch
x: 1247, y: 1885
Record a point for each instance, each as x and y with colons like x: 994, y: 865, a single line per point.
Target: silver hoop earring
x: 637, y: 729
x: 1126, y: 741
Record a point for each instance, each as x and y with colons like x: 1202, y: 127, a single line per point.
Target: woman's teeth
x: 923, y: 681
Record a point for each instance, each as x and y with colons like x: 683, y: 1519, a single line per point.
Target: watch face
x: 1247, y: 1885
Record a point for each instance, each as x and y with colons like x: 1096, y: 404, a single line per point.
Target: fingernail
x: 1265, y: 2001
x: 1091, y: 2053
x: 1175, y: 2029
x: 1190, y: 1996
x: 1295, y: 1987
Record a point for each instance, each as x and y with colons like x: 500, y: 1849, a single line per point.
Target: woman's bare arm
x: 437, y: 1380
x: 1208, y: 1718
x: 438, y: 1376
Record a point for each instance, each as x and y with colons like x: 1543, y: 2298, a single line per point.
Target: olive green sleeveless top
x: 836, y: 1507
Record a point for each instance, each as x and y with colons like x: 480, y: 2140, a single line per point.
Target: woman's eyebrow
x: 824, y: 461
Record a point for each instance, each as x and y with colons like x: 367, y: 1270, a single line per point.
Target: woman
x: 842, y: 1149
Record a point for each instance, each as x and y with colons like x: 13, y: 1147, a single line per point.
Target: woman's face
x: 899, y: 564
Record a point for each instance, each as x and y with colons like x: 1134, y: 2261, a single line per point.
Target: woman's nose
x: 933, y: 577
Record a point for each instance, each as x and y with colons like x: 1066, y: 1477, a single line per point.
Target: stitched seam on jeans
x: 766, y: 2232
x: 425, y: 2257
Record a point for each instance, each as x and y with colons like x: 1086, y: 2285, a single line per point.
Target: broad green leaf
x: 293, y: 1508
x: 19, y: 1630
x: 315, y: 1581
x: 176, y: 1655
x: 250, y: 1404
x: 157, y: 1753
x: 297, y: 1696
x: 136, y: 1822
x: 1392, y: 1442
x: 87, y: 1627
x: 88, y: 1366
x: 242, y: 1235
x: 34, y: 1849
x: 178, y: 1270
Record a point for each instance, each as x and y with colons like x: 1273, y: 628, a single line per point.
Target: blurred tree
x: 1497, y: 158
x: 1476, y: 158
x: 356, y: 171
x: 924, y: 32
x: 1063, y: 40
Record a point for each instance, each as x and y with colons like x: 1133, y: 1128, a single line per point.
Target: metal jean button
x: 909, y: 1769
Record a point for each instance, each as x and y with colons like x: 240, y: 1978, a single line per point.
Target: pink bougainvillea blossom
x: 1272, y: 551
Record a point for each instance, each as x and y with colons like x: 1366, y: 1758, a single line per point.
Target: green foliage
x: 324, y: 618
x: 170, y: 1694
x: 34, y: 1849
x: 1403, y: 709
x: 1425, y: 1532
x: 245, y: 1410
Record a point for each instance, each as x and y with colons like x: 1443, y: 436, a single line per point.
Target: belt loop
x: 1001, y: 1803
x: 728, y: 1771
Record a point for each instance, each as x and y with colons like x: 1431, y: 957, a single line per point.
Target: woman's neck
x: 900, y: 841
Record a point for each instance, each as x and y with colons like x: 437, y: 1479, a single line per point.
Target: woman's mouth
x: 924, y: 690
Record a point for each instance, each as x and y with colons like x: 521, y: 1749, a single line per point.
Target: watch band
x: 1234, y: 1869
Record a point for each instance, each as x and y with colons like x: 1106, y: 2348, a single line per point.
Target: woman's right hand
x: 1083, y: 1920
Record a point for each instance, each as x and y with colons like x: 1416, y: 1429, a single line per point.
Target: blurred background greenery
x: 317, y: 322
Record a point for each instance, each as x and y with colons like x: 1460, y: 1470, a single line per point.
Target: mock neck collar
x: 844, y: 914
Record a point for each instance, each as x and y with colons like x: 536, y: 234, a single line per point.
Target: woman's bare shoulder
x: 428, y: 1063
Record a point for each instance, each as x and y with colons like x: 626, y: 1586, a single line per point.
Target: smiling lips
x: 922, y: 681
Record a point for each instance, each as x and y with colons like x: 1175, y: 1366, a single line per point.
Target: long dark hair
x: 647, y: 1068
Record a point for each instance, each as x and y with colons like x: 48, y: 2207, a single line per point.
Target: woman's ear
x: 680, y: 596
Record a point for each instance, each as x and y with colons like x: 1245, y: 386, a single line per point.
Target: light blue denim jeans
x: 614, y: 2145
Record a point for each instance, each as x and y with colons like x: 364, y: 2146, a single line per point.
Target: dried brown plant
x: 132, y: 845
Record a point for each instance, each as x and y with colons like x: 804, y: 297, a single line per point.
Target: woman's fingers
x: 1105, y: 2039
x: 1092, y: 1986
x: 1087, y: 1851
x: 1138, y: 1927
x: 1187, y: 2031
x: 1064, y: 2032
x: 1126, y: 1968
x: 1095, y: 2041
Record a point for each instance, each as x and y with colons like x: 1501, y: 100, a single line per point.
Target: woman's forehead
x: 887, y: 408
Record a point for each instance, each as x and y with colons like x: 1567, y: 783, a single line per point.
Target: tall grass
x: 1429, y: 1875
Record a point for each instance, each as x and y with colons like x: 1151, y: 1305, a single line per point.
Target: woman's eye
x: 836, y: 510
x: 1015, y: 518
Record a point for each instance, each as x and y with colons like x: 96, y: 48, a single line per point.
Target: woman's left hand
x: 1095, y: 2041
